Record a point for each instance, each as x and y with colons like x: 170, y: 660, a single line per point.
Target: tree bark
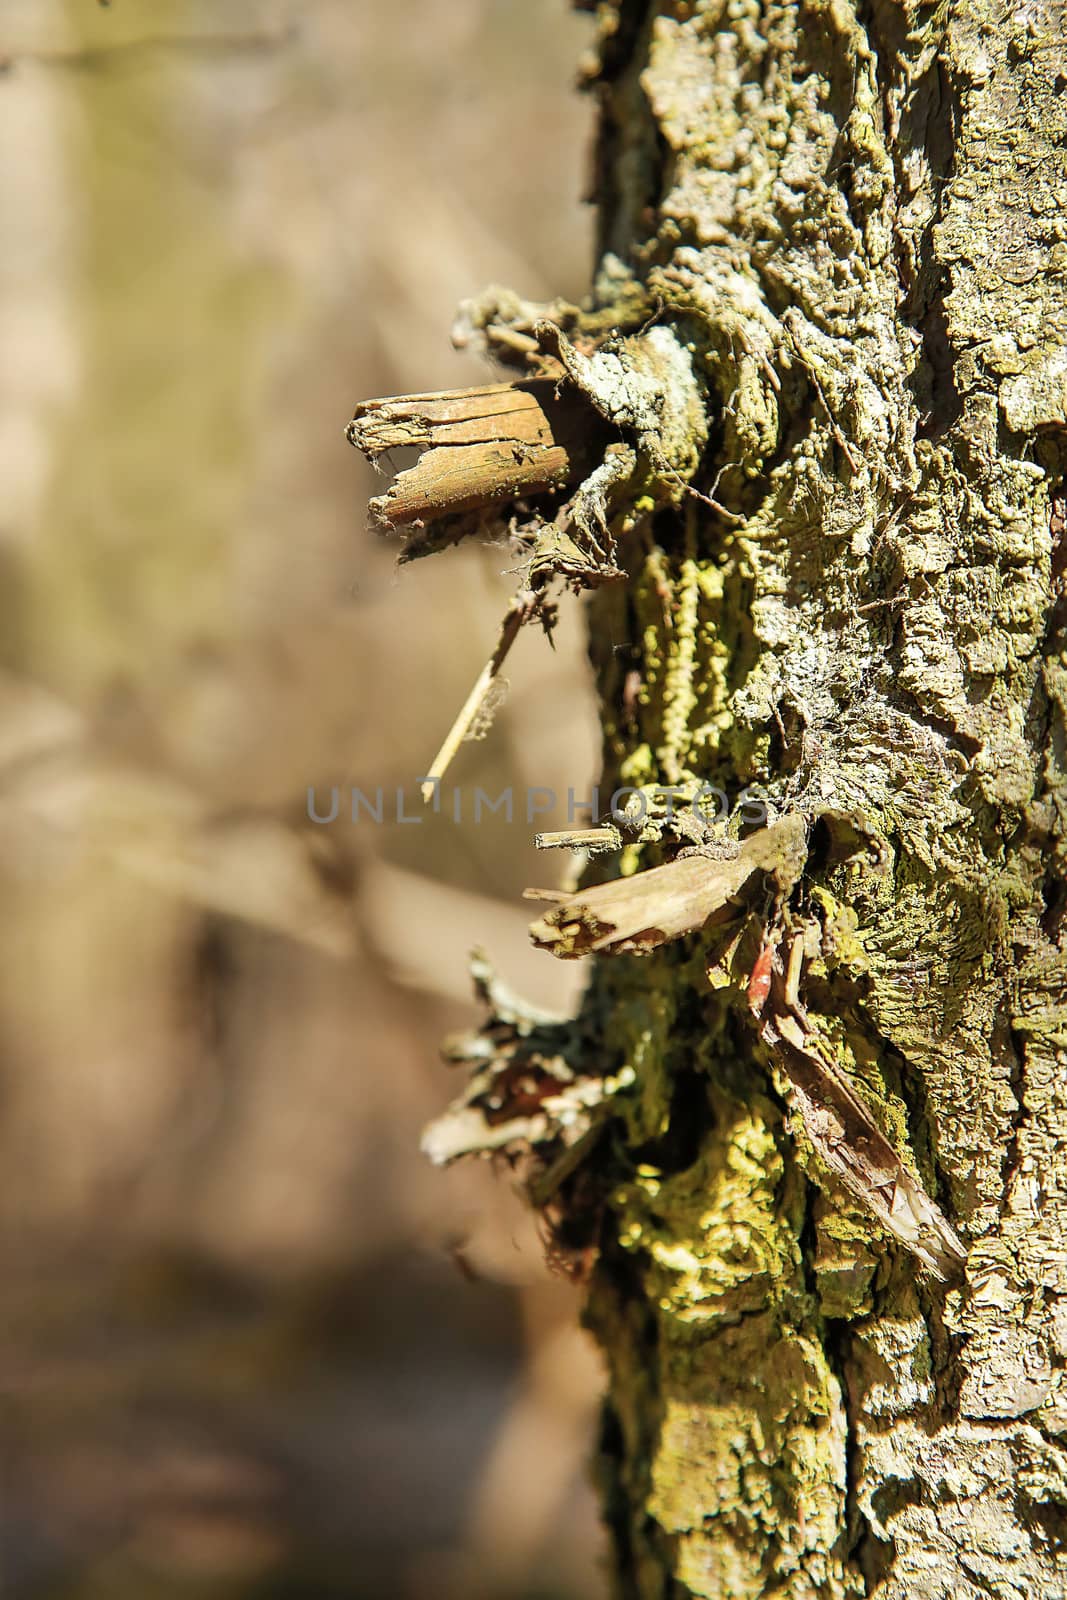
x: 850, y: 218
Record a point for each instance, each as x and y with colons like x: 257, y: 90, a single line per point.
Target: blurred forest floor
x: 236, y: 1355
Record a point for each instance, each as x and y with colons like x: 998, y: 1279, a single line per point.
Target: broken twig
x: 478, y: 448
x: 634, y: 915
x: 596, y: 840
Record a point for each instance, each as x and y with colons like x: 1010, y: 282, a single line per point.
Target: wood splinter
x: 519, y: 611
x: 596, y: 841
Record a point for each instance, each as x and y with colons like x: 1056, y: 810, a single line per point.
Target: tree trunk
x: 842, y: 591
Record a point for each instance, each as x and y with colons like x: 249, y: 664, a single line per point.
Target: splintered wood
x: 477, y: 451
x: 634, y: 915
x: 477, y: 447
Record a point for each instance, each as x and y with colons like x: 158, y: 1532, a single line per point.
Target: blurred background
x: 251, y: 1343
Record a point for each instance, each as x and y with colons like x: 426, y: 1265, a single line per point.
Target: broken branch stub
x: 478, y: 448
x: 635, y: 915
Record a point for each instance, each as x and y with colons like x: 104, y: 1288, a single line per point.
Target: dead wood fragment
x: 534, y: 1087
x: 478, y: 447
x: 596, y: 841
x: 634, y: 915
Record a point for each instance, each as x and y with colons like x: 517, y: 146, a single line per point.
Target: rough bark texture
x: 856, y: 215
x: 851, y: 217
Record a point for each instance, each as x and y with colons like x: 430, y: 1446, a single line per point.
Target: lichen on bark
x: 851, y: 219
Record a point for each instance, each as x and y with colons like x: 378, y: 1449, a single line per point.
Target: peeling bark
x: 847, y: 591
